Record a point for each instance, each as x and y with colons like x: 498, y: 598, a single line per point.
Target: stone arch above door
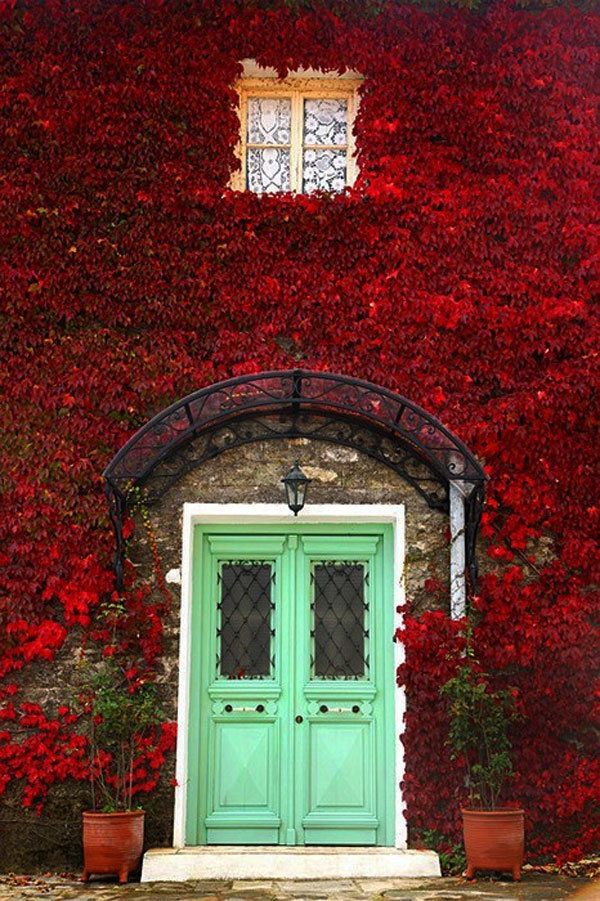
x: 316, y: 406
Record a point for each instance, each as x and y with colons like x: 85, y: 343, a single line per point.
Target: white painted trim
x: 458, y: 559
x: 183, y: 694
x: 194, y: 514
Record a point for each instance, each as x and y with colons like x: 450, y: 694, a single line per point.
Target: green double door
x: 291, y: 719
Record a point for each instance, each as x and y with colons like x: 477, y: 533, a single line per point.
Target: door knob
x: 299, y: 719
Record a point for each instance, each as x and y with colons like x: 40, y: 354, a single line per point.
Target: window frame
x: 297, y: 89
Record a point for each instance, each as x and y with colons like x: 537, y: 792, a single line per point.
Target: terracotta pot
x: 112, y: 843
x: 494, y: 840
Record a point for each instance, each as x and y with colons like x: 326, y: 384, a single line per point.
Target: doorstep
x: 285, y: 862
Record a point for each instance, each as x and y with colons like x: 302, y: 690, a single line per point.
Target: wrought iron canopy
x: 295, y: 404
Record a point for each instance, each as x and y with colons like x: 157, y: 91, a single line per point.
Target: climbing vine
x: 460, y: 270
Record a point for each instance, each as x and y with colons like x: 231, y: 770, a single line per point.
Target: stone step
x: 285, y: 862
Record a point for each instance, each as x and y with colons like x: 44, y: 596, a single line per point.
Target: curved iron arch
x: 296, y: 404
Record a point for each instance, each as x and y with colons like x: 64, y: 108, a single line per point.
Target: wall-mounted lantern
x: 296, y: 486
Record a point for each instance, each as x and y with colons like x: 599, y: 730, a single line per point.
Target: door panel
x: 291, y: 732
x: 239, y: 687
x: 245, y: 782
x: 337, y: 690
x: 245, y: 758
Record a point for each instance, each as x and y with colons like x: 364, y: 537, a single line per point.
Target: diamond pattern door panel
x: 244, y: 793
x: 245, y: 757
x: 340, y: 767
x: 342, y: 777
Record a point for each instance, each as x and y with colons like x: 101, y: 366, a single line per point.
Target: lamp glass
x: 296, y: 485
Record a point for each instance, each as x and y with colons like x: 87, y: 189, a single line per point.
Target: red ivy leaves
x: 54, y: 751
x: 462, y: 270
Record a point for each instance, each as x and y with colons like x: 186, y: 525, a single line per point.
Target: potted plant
x: 121, y: 716
x: 480, y: 720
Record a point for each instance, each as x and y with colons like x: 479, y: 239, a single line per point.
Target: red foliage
x: 459, y: 270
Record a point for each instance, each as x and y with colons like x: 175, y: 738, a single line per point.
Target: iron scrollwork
x: 295, y: 404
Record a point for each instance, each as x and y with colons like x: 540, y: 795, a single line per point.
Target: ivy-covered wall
x: 460, y: 270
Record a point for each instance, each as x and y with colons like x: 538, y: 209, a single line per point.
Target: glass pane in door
x: 245, y: 632
x: 339, y: 633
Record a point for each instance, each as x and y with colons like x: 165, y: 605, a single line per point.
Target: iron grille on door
x: 339, y: 620
x: 245, y: 631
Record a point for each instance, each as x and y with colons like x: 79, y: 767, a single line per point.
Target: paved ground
x: 535, y: 886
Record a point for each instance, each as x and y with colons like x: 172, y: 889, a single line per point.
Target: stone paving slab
x: 534, y: 887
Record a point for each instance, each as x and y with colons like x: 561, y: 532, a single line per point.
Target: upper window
x: 296, y: 134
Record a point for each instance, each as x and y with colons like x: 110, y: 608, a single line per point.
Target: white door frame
x: 237, y: 514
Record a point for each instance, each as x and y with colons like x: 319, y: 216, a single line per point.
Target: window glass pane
x: 245, y: 606
x: 268, y: 169
x: 269, y: 120
x: 326, y: 122
x: 323, y: 170
x: 339, y: 610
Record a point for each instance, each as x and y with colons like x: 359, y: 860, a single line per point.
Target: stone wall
x: 252, y: 474
x: 248, y: 474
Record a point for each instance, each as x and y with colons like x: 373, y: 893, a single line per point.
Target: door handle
x: 299, y: 719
